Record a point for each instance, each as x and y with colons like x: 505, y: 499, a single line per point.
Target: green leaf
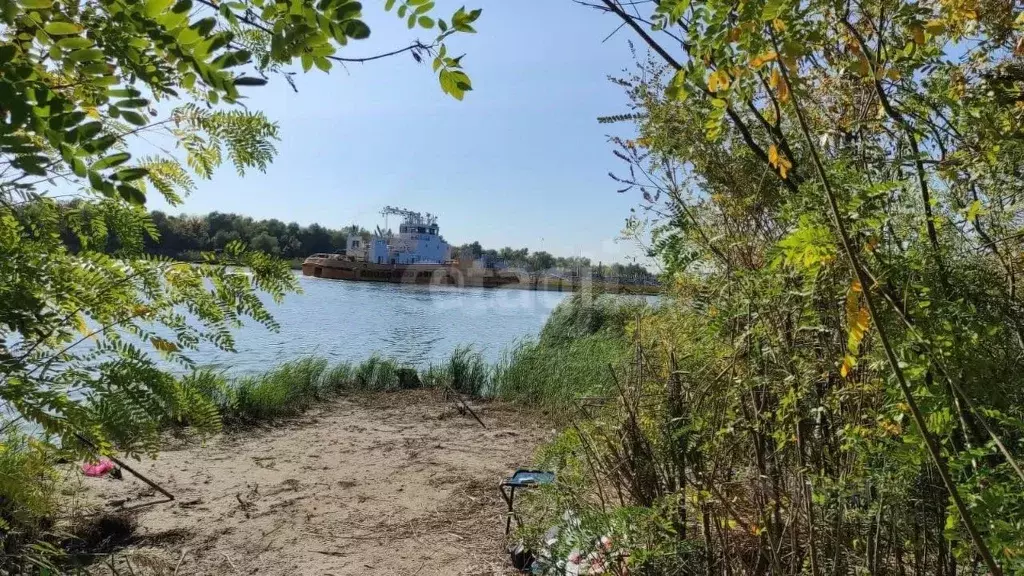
x: 85, y: 131
x: 347, y: 11
x: 232, y: 59
x: 156, y: 7
x: 134, y: 117
x: 62, y: 28
x: 132, y: 194
x: 133, y: 103
x: 36, y: 4
x: 75, y: 43
x: 111, y: 161
x: 307, y: 61
x: 97, y: 68
x: 129, y: 174
x: 85, y: 55
x: 426, y: 22
x: 95, y: 180
x: 189, y: 36
x: 442, y: 24
x: 78, y: 167
x: 100, y: 144
x: 772, y: 9
x: 123, y: 93
x: 249, y: 81
x: 357, y: 30
x: 389, y: 5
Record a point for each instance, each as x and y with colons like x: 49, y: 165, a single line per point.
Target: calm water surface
x: 418, y: 325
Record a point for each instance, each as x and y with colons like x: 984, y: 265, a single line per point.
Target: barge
x: 418, y: 254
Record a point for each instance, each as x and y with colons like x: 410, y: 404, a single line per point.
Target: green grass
x: 583, y: 315
x: 579, y: 343
x: 293, y: 387
x: 465, y: 371
x: 538, y: 374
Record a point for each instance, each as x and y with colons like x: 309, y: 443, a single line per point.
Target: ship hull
x: 437, y: 274
x: 454, y: 275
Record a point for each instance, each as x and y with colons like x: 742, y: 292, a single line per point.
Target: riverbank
x: 369, y: 484
x: 298, y: 412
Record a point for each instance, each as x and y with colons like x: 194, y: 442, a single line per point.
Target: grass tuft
x: 465, y: 371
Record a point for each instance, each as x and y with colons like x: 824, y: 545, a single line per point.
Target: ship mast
x: 410, y: 216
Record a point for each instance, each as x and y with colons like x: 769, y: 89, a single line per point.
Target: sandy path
x: 390, y: 484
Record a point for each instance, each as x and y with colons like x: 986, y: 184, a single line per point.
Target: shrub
x: 29, y: 485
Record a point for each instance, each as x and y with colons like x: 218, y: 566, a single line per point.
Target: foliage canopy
x: 80, y: 84
x: 834, y: 189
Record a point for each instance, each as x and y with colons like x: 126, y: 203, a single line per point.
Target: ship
x: 418, y: 254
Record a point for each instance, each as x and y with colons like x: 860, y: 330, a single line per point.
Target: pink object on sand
x: 101, y: 468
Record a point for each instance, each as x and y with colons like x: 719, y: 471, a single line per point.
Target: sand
x: 386, y: 484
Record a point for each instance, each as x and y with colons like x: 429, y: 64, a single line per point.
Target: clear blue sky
x: 521, y: 161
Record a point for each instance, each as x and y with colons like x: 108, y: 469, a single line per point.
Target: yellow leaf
x: 779, y: 25
x: 784, y: 167
x: 163, y: 345
x: 918, y: 32
x: 761, y: 59
x: 852, y: 303
x: 935, y: 27
x: 782, y: 86
x: 779, y: 161
x: 973, y: 210
x: 79, y: 322
x: 718, y: 80
x: 848, y: 363
x: 861, y: 67
x: 863, y: 320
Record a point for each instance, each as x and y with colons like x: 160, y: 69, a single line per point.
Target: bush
x: 28, y: 498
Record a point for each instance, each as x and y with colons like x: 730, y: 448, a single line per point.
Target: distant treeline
x: 185, y: 236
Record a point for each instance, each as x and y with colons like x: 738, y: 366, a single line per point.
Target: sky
x: 522, y: 161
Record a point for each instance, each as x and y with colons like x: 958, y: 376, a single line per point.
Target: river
x: 417, y: 325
